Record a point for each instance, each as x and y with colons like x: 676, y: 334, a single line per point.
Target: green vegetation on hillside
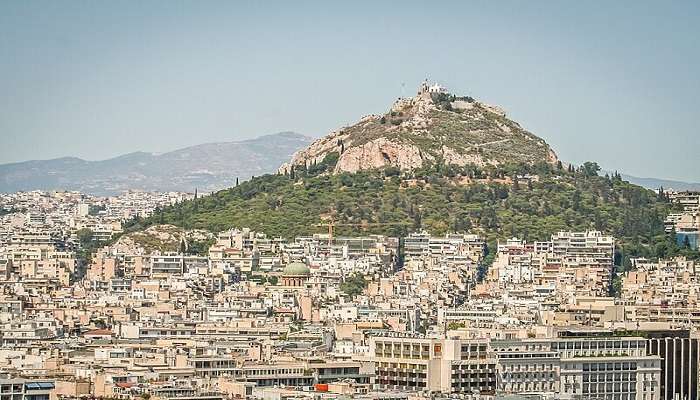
x: 439, y: 198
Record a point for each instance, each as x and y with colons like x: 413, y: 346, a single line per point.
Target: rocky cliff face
x: 430, y: 127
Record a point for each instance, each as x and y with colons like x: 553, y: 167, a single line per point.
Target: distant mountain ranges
x: 654, y: 183
x: 206, y: 167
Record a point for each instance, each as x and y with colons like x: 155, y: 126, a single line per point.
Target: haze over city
x: 618, y: 86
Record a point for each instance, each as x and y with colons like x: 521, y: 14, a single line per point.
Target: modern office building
x: 614, y: 368
x: 680, y: 355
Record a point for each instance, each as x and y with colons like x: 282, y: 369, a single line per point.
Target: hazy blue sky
x: 616, y: 82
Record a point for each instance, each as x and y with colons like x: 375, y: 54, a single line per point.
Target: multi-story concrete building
x: 596, y: 367
x: 588, y: 367
x: 690, y: 200
x: 422, y: 245
x: 26, y: 389
x: 433, y: 365
x: 680, y: 357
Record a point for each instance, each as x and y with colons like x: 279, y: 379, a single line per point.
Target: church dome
x: 296, y: 268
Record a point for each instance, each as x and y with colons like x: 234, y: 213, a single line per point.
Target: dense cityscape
x: 253, y: 316
x: 336, y: 200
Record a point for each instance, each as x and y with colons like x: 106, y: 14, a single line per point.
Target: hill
x: 432, y: 127
x: 438, y: 199
x: 207, y: 167
x: 469, y: 170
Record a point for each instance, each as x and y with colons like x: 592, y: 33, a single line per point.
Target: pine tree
x: 576, y: 200
x: 183, y: 246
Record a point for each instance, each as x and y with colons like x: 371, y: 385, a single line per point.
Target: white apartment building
x: 609, y: 368
x: 614, y: 368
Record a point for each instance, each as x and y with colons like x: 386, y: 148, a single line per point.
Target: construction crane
x: 332, y: 224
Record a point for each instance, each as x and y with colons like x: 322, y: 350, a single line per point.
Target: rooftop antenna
x: 403, y: 89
